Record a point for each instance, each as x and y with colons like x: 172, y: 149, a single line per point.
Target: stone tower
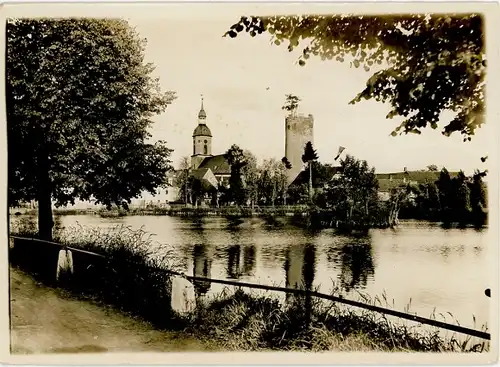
x: 202, y: 140
x: 298, y: 131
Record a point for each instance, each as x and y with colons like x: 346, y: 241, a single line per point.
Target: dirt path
x: 46, y: 320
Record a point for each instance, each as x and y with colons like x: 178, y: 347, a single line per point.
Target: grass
x: 133, y: 279
x: 241, y: 320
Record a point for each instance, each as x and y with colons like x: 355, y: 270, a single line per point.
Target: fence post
x: 64, y: 264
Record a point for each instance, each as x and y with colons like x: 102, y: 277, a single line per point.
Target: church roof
x: 206, y: 176
x: 202, y: 130
x: 218, y: 164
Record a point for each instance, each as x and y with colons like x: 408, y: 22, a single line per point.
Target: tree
x: 286, y: 163
x: 432, y: 168
x: 182, y: 179
x: 427, y: 202
x: 250, y: 173
x: 461, y: 198
x: 478, y: 198
x: 79, y: 105
x: 434, y: 62
x: 445, y: 186
x: 237, y: 161
x: 309, y: 157
x: 291, y: 103
x: 272, y: 180
x: 352, y: 194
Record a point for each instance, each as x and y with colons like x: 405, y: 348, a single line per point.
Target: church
x: 213, y: 170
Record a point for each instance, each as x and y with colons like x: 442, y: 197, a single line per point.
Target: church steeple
x: 202, y: 115
x: 202, y: 139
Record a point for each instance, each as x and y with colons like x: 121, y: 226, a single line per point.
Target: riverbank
x: 297, y: 215
x: 49, y: 320
x: 238, y: 320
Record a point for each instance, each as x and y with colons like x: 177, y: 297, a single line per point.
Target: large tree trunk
x: 44, y: 198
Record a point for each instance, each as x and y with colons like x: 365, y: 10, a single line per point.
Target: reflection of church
x: 213, y: 170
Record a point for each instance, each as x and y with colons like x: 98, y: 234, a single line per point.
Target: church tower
x: 202, y: 140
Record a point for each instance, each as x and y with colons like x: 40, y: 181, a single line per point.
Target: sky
x: 244, y: 82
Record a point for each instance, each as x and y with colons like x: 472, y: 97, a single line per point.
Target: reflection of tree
x: 201, y: 268
x: 233, y: 262
x: 240, y: 262
x: 249, y: 260
x: 309, y: 267
x: 356, y: 264
x: 300, y: 266
x: 293, y: 266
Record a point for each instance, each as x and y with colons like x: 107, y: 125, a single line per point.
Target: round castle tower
x: 298, y: 131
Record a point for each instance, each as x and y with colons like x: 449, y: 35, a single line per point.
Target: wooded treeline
x: 349, y: 193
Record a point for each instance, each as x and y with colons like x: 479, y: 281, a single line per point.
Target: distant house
x: 390, y: 181
x: 328, y: 173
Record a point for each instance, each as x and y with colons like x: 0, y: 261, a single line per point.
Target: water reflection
x: 202, y: 266
x: 241, y: 261
x: 233, y: 262
x: 249, y: 260
x: 357, y: 266
x: 355, y: 260
x: 300, y: 265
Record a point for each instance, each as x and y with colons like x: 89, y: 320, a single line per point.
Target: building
x: 202, y: 159
x: 298, y: 131
x: 390, y: 181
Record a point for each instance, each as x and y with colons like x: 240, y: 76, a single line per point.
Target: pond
x: 419, y: 264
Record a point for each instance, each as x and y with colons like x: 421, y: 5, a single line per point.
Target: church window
x: 206, y: 141
x: 205, y: 149
x: 194, y: 149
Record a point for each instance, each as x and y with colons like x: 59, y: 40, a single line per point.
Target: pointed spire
x: 202, y: 114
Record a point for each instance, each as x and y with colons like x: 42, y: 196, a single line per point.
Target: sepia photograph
x: 251, y: 180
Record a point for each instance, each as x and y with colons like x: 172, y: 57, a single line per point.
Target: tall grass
x: 241, y: 320
x: 132, y: 278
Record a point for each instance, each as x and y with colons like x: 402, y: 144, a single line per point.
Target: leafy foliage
x: 272, y: 181
x: 291, y: 103
x: 182, y: 180
x: 309, y: 153
x: 286, y: 163
x: 435, y: 62
x: 236, y: 158
x: 250, y: 174
x: 459, y: 199
x: 309, y: 157
x: 353, y: 194
x: 79, y: 104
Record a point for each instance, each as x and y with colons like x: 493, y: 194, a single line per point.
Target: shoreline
x: 272, y: 216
